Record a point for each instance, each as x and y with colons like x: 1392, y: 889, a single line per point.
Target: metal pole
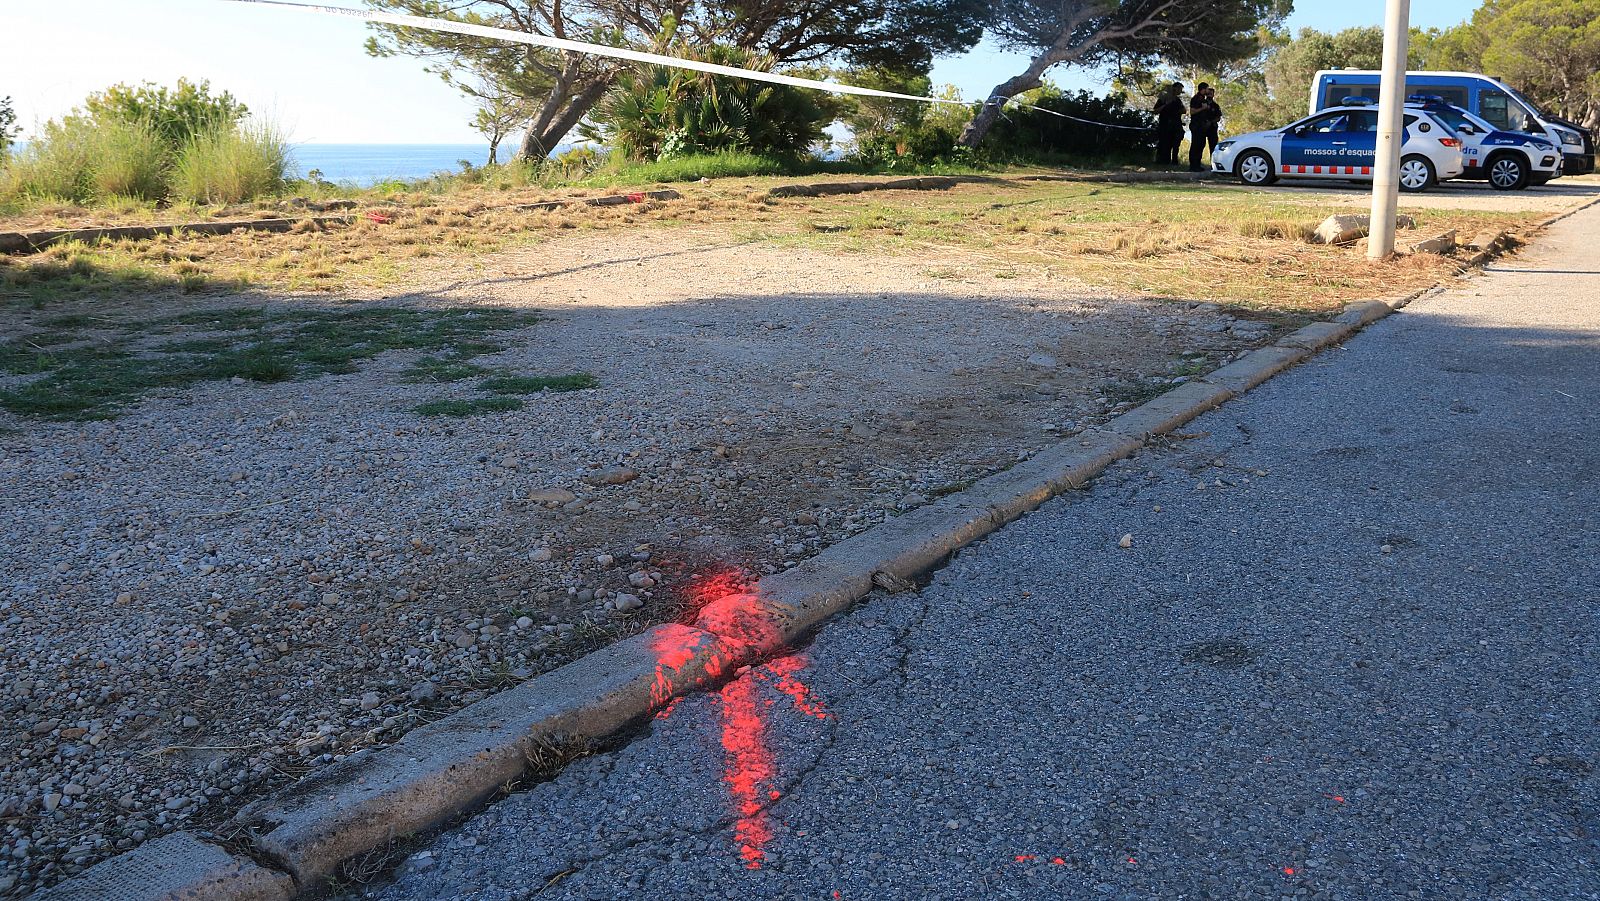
x: 1391, y: 131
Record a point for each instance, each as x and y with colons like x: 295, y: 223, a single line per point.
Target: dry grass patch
x: 1183, y: 241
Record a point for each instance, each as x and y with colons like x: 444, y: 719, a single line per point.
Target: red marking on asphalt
x: 728, y: 605
x: 1133, y: 862
x: 1058, y: 861
x: 1288, y: 871
x: 1337, y: 799
x: 1024, y: 858
x: 783, y: 670
x: 748, y: 766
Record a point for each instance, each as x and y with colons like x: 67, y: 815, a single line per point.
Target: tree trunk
x: 1032, y: 77
x: 570, y: 99
x: 494, y: 146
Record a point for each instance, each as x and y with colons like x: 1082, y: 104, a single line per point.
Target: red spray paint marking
x: 750, y: 766
x: 728, y: 606
x: 1288, y: 871
x: 783, y: 672
x: 1058, y: 861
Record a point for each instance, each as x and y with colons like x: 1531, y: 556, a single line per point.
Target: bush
x: 56, y: 164
x: 179, y: 114
x: 127, y: 159
x: 1031, y: 133
x: 661, y: 113
x: 140, y: 145
x: 231, y: 165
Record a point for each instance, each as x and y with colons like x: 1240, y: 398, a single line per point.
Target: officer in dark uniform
x: 1204, y: 116
x: 1169, y: 124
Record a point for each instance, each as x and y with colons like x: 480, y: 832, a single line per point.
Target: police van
x: 1507, y: 160
x: 1342, y: 143
x: 1488, y: 98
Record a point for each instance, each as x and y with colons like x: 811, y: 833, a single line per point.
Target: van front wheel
x: 1416, y: 174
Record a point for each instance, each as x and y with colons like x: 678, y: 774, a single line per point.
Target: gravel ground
x: 228, y: 587
x: 1340, y: 643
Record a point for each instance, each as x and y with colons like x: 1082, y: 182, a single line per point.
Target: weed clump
x: 469, y: 407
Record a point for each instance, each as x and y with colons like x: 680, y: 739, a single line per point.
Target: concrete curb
x: 946, y: 182
x: 442, y: 770
x: 370, y: 799
x: 35, y: 241
x: 174, y: 867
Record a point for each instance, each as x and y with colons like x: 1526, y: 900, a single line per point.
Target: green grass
x: 93, y: 375
x: 231, y: 165
x: 441, y: 369
x: 533, y: 384
x: 470, y: 407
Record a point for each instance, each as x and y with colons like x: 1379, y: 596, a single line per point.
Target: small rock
x: 640, y: 580
x: 541, y: 555
x: 524, y: 622
x: 612, y: 475
x: 1386, y: 549
x: 370, y: 700
x: 628, y: 602
x: 1127, y: 540
x: 330, y: 597
x: 551, y: 496
x: 1042, y: 361
x: 423, y: 691
x: 52, y: 801
x: 465, y: 640
x: 190, y: 722
x: 605, y: 560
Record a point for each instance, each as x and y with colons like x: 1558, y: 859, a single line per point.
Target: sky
x: 312, y: 76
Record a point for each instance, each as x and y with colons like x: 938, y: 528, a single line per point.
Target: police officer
x: 1204, y: 115
x: 1169, y: 124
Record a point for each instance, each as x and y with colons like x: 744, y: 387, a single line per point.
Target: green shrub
x: 660, y: 113
x: 1025, y: 133
x: 141, y: 145
x: 231, y: 165
x: 56, y: 163
x: 128, y: 158
x: 178, y: 114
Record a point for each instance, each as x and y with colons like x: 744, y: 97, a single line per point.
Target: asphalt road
x: 1350, y: 653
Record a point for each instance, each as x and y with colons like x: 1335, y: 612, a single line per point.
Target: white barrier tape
x: 538, y: 40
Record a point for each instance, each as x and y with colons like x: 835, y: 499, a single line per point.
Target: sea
x: 364, y: 165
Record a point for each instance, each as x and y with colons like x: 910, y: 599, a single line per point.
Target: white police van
x: 1485, y: 97
x: 1508, y: 160
x: 1341, y: 143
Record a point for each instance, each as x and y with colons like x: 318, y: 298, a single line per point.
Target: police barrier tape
x: 538, y: 40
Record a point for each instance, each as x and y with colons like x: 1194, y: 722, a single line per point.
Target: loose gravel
x: 228, y: 587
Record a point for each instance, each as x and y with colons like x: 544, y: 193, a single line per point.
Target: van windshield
x: 1503, y: 111
x: 1533, y: 108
